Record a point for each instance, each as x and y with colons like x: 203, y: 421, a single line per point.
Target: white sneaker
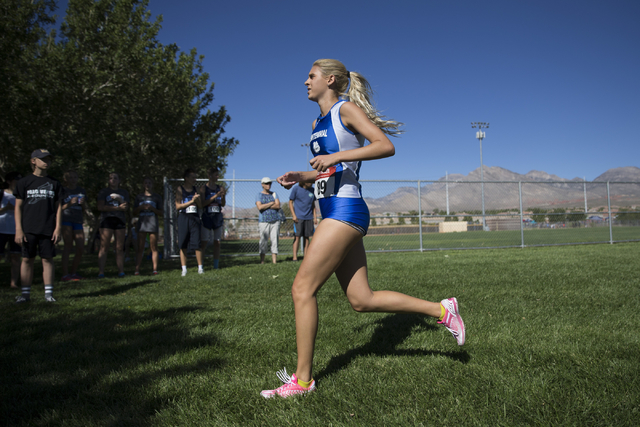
x: 184, y: 273
x: 200, y: 271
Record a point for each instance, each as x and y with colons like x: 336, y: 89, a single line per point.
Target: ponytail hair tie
x: 348, y: 74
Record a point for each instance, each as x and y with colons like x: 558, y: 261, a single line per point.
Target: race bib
x: 326, y: 183
x: 191, y: 209
x: 213, y: 209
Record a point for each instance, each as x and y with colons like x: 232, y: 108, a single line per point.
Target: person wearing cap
x: 113, y: 203
x: 8, y: 225
x: 268, y: 205
x: 38, y: 215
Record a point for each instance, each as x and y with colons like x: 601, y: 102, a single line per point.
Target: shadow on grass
x: 99, y: 366
x: 115, y: 290
x: 391, y: 331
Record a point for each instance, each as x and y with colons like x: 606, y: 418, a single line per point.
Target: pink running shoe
x: 289, y: 388
x: 452, y: 320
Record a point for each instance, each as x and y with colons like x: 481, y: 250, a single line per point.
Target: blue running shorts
x: 352, y: 211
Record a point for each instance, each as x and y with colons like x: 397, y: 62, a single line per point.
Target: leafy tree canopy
x: 106, y: 95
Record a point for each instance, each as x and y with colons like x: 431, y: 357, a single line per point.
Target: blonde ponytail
x: 359, y: 92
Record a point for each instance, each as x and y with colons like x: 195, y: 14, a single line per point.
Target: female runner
x: 337, y: 142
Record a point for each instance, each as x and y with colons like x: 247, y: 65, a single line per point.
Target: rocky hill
x: 501, y: 191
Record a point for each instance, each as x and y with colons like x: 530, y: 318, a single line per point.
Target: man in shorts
x: 38, y: 216
x: 302, y: 203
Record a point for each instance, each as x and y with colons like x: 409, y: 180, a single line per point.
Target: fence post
x: 585, y: 196
x: 521, y: 215
x: 610, y: 218
x: 420, y: 216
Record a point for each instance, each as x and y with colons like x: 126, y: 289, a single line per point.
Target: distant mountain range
x: 539, y: 189
x: 547, y: 191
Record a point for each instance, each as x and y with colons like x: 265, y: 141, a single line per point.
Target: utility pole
x: 307, y: 151
x: 480, y: 135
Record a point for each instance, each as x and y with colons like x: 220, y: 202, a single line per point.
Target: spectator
x: 38, y: 223
x: 113, y: 203
x: 303, y: 211
x: 148, y: 207
x: 213, y: 200
x: 8, y: 225
x: 269, y: 222
x: 73, y: 205
x: 188, y: 203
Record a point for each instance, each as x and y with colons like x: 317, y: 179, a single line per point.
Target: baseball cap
x: 41, y: 153
x: 266, y: 180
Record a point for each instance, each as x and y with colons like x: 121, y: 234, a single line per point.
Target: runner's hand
x: 289, y: 179
x: 322, y: 163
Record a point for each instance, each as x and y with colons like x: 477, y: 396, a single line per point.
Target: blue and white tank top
x: 330, y: 136
x: 187, y: 196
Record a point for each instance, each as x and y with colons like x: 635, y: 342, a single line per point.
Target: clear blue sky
x: 558, y: 80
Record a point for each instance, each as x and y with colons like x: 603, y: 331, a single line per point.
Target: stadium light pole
x: 307, y: 151
x: 480, y: 135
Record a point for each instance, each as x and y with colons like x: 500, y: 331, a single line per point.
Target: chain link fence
x: 436, y: 215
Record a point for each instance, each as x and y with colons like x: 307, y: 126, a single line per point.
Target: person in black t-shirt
x: 38, y: 223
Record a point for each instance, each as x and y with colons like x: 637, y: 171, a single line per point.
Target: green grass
x: 552, y: 339
x: 464, y: 240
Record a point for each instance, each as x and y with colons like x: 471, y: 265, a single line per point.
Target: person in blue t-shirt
x: 303, y: 211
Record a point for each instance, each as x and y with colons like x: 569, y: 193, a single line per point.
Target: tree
x: 539, y: 215
x: 23, y: 40
x: 450, y: 218
x: 415, y: 215
x: 628, y: 214
x: 114, y: 98
x: 576, y: 216
x: 558, y: 215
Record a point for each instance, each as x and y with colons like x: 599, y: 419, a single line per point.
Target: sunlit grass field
x: 466, y: 240
x: 552, y: 339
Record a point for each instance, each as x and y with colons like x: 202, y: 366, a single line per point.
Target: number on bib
x: 213, y: 209
x: 326, y: 183
x: 191, y: 209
